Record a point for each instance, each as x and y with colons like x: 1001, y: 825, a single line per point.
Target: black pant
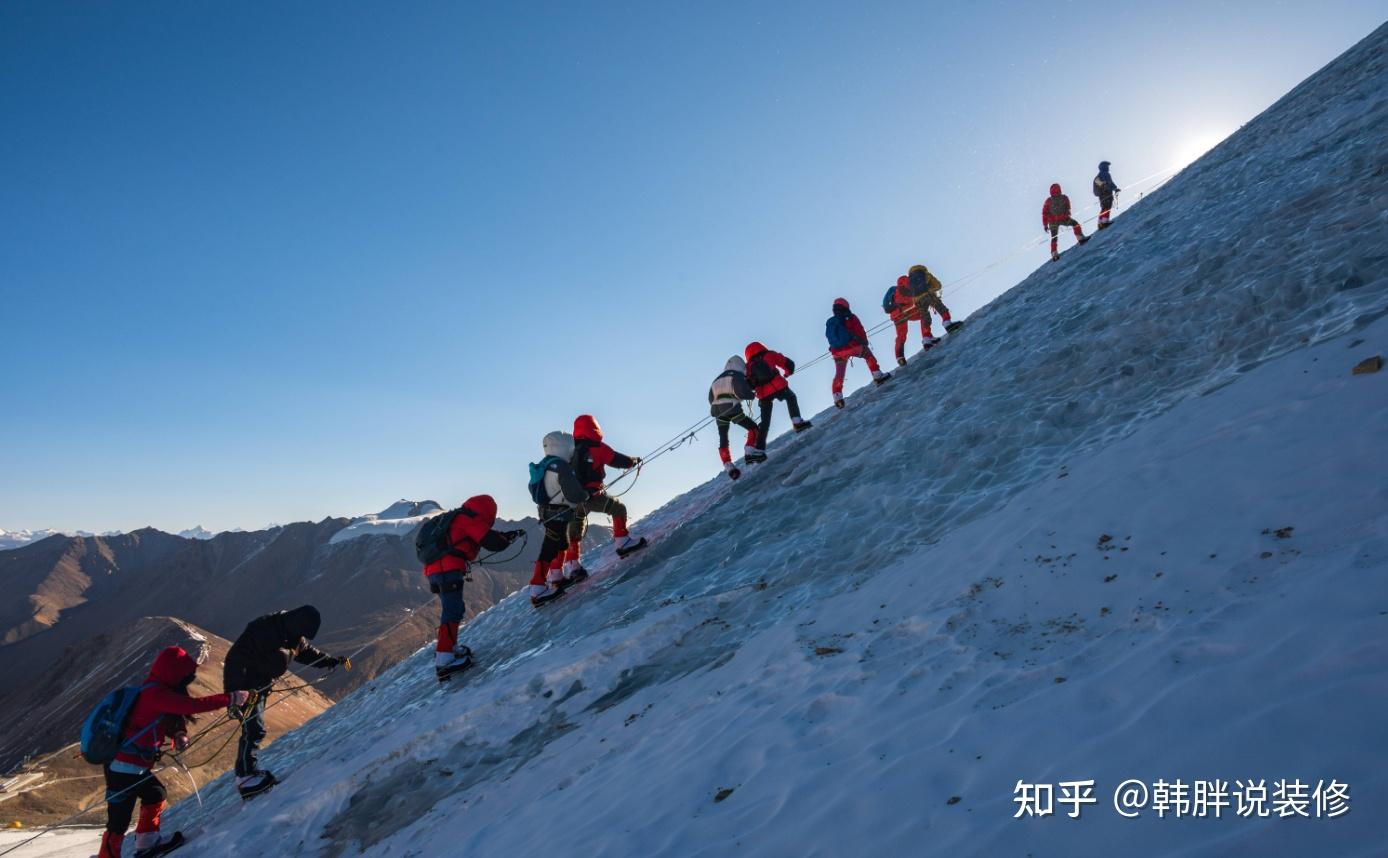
x: 252, y: 734
x: 764, y: 429
x: 556, y: 520
x: 121, y: 792
x: 738, y: 419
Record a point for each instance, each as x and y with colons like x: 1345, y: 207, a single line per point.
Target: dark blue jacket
x: 1103, y: 185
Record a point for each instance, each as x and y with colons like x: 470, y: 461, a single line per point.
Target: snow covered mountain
x: 1131, y: 522
x: 399, y: 520
x: 197, y: 532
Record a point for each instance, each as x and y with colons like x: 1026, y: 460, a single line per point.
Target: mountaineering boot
x: 951, y: 327
x: 838, y: 400
x: 880, y: 378
x: 448, y: 663
x: 158, y: 844
x: 1083, y: 239
x: 628, y: 545
x: 1055, y: 256
x: 731, y: 470
x: 901, y: 361
x: 543, y: 593
x: 928, y: 341
x: 800, y: 425
x: 574, y: 572
x: 255, y: 783
x: 752, y: 455
x: 1103, y: 224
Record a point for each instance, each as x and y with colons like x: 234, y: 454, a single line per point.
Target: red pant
x: 901, y: 326
x: 841, y: 358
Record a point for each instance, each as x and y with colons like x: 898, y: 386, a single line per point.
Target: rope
x: 683, y: 437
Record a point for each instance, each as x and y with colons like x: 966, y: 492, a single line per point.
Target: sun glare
x: 1192, y: 146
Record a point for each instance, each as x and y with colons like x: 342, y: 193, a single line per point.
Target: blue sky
x: 272, y: 262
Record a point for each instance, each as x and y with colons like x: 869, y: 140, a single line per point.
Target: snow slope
x: 863, y: 645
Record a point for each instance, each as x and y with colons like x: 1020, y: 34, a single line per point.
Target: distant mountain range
x: 68, y: 601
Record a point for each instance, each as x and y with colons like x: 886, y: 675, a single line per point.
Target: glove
x: 636, y: 461
x: 240, y: 698
x: 181, y: 741
x: 345, y: 663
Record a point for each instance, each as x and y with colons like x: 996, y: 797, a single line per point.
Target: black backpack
x: 759, y: 372
x: 432, y: 542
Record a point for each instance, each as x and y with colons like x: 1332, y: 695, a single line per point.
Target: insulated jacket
x: 160, y: 710
x: 729, y: 389
x: 1056, y: 209
x: 898, y: 303
x: 592, y: 456
x: 765, y: 368
x: 1103, y: 183
x: 265, y: 649
x: 855, y: 330
x: 471, y: 529
x: 561, y: 483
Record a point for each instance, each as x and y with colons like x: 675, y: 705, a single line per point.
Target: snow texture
x: 1128, y: 523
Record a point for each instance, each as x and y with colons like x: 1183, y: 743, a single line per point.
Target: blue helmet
x: 1103, y: 166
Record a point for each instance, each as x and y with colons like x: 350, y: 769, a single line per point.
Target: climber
x: 925, y: 289
x: 1055, y: 213
x: 260, y: 656
x: 556, y: 490
x: 767, y: 372
x: 725, y: 397
x: 901, y: 308
x: 1105, y: 189
x: 590, y: 460
x: 447, y: 544
x: 847, y: 339
x: 162, y: 711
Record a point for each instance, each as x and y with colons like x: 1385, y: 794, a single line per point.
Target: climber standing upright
x: 1105, y: 189
x: 900, y: 306
x: 590, y: 460
x: 847, y: 340
x: 767, y: 373
x: 1055, y: 213
x: 725, y: 397
x: 555, y: 488
x: 447, y: 544
x: 925, y: 290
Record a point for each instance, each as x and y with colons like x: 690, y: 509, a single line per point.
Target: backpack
x: 836, y: 332
x: 102, y: 732
x: 537, y: 479
x: 432, y: 542
x: 759, y: 372
x: 889, y: 300
x: 918, y: 282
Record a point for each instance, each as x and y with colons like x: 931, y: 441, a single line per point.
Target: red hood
x: 586, y: 428
x: 1055, y: 189
x: 753, y: 349
x: 903, y: 280
x: 483, y: 506
x: 842, y: 302
x: 172, y: 666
